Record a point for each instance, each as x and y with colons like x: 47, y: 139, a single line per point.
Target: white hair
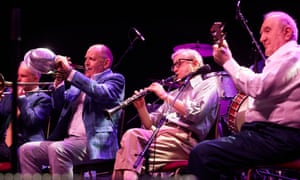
x: 189, y: 53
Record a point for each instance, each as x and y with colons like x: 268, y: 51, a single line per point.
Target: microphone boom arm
x: 244, y: 22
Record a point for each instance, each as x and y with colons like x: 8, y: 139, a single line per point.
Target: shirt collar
x: 195, y: 80
x: 95, y: 76
x: 283, y: 49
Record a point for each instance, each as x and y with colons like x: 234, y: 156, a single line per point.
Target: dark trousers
x: 5, y: 152
x: 258, y: 143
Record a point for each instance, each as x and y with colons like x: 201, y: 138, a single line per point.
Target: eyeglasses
x: 179, y: 62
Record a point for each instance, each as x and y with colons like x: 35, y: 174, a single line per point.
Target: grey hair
x: 190, y: 53
x: 34, y: 72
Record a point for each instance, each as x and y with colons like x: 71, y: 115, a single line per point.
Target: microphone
x: 202, y: 70
x: 168, y: 80
x: 238, y: 10
x: 139, y: 34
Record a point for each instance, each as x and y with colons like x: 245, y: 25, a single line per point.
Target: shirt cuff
x: 232, y: 67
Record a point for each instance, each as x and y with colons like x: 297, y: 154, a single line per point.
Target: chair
x: 102, y: 167
x: 7, y: 166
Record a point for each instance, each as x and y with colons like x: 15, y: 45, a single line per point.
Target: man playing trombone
x: 33, y: 111
x: 189, y: 113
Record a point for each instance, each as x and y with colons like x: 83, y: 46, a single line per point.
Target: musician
x: 33, y: 111
x: 187, y: 115
x: 271, y: 132
x: 82, y: 131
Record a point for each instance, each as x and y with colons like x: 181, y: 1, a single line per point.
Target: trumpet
x: 42, y: 60
x: 109, y: 112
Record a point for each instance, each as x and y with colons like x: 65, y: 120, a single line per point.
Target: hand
x: 21, y: 91
x: 58, y: 80
x: 222, y: 53
x: 140, y: 102
x: 63, y: 65
x: 158, y: 89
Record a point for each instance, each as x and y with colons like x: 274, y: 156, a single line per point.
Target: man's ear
x: 36, y: 78
x: 288, y: 32
x: 107, y: 63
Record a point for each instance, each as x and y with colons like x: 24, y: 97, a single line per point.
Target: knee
x: 129, y: 134
x: 200, y: 152
x: 200, y: 148
x: 193, y: 157
x: 21, y: 151
x: 24, y: 150
x: 55, y: 149
x: 24, y: 147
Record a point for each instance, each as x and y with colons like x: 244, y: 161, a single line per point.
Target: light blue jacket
x: 104, y: 91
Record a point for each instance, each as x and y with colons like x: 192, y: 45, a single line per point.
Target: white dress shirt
x: 276, y: 91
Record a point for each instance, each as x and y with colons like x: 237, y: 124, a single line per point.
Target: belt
x: 192, y: 134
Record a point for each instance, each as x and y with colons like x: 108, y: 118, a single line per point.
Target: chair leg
x: 249, y: 174
x: 177, y: 172
x: 274, y: 174
x: 117, y: 175
x: 90, y: 173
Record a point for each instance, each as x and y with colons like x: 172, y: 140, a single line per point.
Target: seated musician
x: 186, y: 116
x: 32, y: 112
x: 271, y: 132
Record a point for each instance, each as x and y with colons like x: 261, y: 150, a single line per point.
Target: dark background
x: 69, y: 28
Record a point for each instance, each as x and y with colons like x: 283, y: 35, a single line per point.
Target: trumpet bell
x: 41, y: 60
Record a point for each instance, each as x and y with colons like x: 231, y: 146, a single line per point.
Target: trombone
x: 4, y: 84
x: 41, y: 60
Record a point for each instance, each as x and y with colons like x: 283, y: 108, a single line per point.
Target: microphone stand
x: 16, y: 51
x: 145, y: 152
x: 244, y: 22
x: 149, y: 107
x: 126, y: 51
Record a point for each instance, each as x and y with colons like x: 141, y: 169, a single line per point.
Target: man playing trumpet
x: 83, y: 131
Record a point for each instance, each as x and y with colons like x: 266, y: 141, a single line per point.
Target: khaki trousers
x: 170, y: 144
